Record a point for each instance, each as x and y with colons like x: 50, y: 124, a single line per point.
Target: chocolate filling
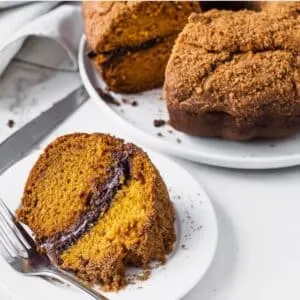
x: 115, y: 54
x: 143, y: 46
x: 99, y: 201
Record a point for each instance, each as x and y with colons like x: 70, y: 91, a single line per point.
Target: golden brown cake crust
x: 236, y: 75
x: 108, y: 24
x: 70, y: 181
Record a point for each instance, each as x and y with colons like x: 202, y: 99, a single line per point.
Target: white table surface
x: 258, y: 255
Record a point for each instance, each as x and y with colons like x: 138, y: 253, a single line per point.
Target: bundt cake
x: 130, y: 42
x: 236, y: 75
x: 96, y: 205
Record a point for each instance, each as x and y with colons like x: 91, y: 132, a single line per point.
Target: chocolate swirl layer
x: 113, y: 55
x: 99, y: 200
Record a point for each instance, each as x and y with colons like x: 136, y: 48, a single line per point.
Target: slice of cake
x: 236, y: 75
x: 131, y: 42
x: 97, y: 205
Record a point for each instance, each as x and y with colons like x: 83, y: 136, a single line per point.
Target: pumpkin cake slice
x: 96, y: 205
x: 131, y: 41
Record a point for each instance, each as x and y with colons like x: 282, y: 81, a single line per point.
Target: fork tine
x: 11, y: 239
x: 6, y: 242
x: 18, y: 229
x: 4, y: 251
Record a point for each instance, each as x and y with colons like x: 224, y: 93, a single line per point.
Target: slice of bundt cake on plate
x: 96, y: 205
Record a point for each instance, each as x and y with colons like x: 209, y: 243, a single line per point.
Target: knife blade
x: 22, y: 141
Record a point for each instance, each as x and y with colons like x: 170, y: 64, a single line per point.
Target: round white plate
x: 196, y: 240
x: 138, y: 120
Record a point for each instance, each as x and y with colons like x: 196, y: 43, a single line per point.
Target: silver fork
x: 19, y: 250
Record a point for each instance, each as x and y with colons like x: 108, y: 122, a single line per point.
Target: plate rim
x: 214, y: 231
x: 148, y: 140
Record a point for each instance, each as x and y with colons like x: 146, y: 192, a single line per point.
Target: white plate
x: 259, y: 154
x: 196, y: 242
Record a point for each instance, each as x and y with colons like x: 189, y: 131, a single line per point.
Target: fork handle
x: 74, y: 281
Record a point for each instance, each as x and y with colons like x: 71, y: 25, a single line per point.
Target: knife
x: 23, y: 140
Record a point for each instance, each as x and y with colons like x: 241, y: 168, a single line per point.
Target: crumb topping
x: 288, y: 7
x: 243, y: 63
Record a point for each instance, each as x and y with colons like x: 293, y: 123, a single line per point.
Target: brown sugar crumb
x: 10, y: 123
x: 134, y: 103
x: 140, y: 276
x: 145, y: 275
x: 159, y: 123
x: 160, y: 134
x: 107, y: 97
